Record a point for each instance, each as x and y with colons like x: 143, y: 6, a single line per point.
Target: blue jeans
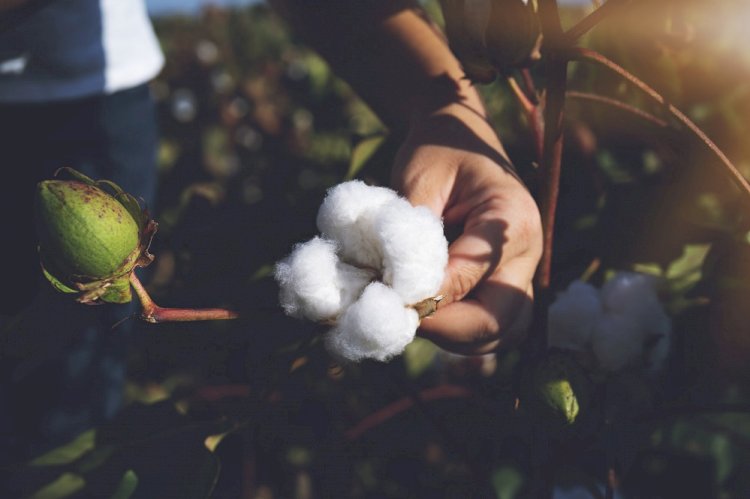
x: 63, y: 366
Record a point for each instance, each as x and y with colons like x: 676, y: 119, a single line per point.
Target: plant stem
x: 617, y: 104
x: 556, y: 78
x: 580, y: 53
x: 151, y: 312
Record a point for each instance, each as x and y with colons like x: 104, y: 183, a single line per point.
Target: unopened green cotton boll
x: 492, y: 36
x: 82, y: 229
x: 91, y: 239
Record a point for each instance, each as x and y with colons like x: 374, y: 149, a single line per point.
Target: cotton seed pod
x: 555, y: 391
x: 90, y: 240
x: 492, y: 36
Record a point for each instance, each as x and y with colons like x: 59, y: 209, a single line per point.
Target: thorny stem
x: 151, y: 312
x: 617, y: 104
x: 591, y: 20
x: 580, y: 53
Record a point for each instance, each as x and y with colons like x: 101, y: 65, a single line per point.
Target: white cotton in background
x: 377, y: 326
x: 314, y: 284
x: 658, y: 353
x: 617, y: 340
x: 629, y: 293
x: 414, y: 249
x: 572, y: 317
x: 346, y: 216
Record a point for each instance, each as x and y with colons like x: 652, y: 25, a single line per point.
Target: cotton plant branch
x: 617, y: 104
x: 151, y: 312
x: 585, y: 54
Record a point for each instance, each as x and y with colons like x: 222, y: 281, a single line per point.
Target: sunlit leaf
x: 362, y: 152
x: 68, y: 452
x: 65, y: 486
x: 127, y: 485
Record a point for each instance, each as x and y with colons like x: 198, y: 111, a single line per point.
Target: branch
x: 584, y: 54
x: 587, y: 23
x: 151, y: 312
x: 623, y: 106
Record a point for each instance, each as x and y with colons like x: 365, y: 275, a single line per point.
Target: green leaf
x: 66, y: 485
x: 418, y: 356
x: 56, y: 283
x: 362, y: 153
x: 127, y: 486
x: 69, y: 452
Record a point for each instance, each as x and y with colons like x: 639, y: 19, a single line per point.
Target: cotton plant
x: 372, y: 273
x: 622, y: 323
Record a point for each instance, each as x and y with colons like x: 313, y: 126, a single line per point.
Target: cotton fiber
x: 315, y: 285
x: 572, y: 317
x: 377, y: 326
x: 347, y: 216
x: 415, y: 251
x: 377, y: 259
x: 622, y: 324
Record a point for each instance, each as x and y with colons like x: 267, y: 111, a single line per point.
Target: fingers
x: 498, y: 312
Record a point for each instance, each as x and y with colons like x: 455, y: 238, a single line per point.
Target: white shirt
x: 78, y: 48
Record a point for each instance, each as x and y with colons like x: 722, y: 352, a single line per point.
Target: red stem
x: 617, y: 104
x: 556, y: 77
x: 151, y: 312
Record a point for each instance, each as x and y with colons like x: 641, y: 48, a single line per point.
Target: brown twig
x: 587, y: 23
x: 617, y: 104
x: 580, y: 53
x: 151, y: 312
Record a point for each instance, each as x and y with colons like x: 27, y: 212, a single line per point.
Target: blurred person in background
x: 73, y: 93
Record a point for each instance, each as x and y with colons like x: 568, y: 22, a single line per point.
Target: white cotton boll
x: 377, y: 326
x: 634, y: 294
x: 314, y: 284
x: 617, y: 340
x: 347, y: 216
x: 658, y: 353
x: 629, y: 292
x: 414, y: 248
x: 572, y: 317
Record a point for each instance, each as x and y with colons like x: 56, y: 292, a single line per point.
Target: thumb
x: 473, y: 256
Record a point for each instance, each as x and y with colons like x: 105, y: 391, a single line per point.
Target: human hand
x: 453, y: 163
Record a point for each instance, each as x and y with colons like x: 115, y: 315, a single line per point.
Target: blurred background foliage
x: 255, y: 127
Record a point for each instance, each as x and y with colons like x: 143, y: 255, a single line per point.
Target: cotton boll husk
x: 377, y: 326
x: 617, y: 340
x: 414, y: 248
x: 314, y: 284
x: 572, y: 316
x: 347, y: 216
